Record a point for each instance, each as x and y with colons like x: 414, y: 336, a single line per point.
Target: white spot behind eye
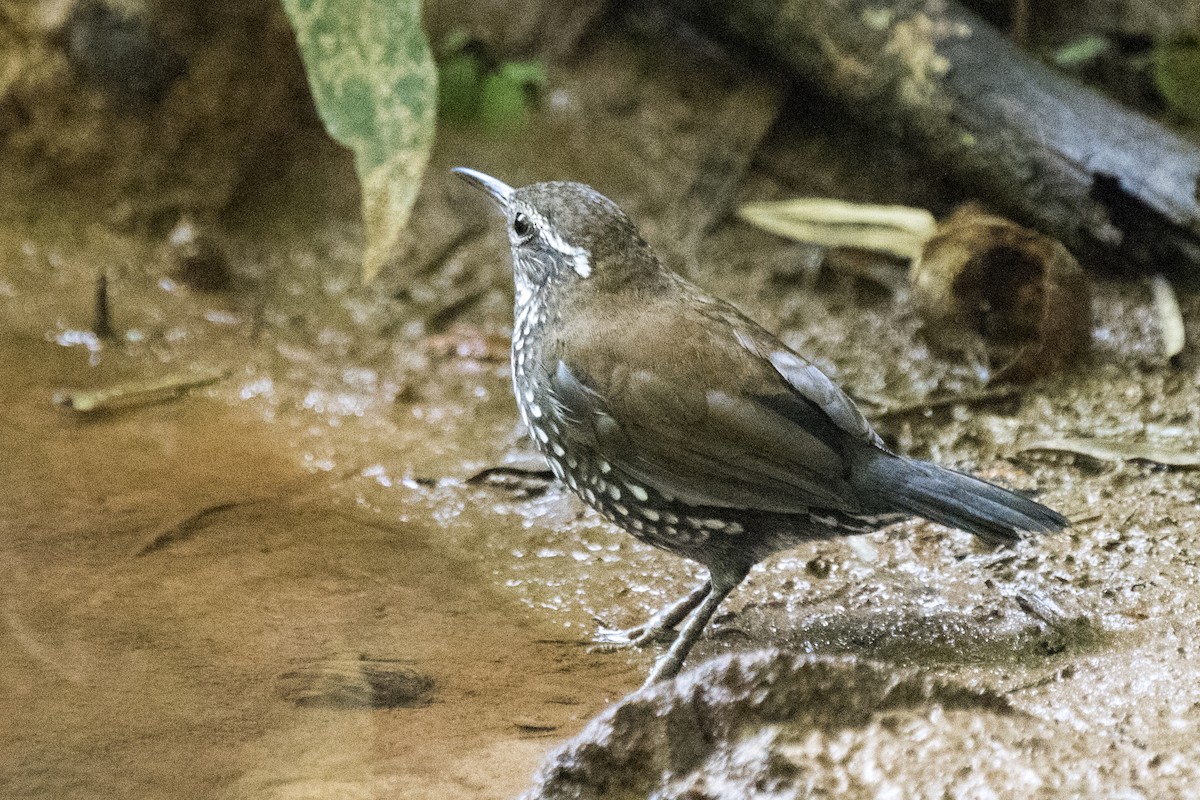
x: 579, y: 257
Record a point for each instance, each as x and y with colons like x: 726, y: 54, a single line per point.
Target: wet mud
x: 170, y: 569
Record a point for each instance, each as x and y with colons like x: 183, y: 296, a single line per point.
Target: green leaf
x: 1080, y: 51
x: 454, y: 43
x: 504, y: 97
x: 526, y: 73
x: 375, y: 87
x: 1176, y: 70
x: 459, y: 81
x: 502, y: 104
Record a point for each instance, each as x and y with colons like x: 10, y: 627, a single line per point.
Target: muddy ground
x: 168, y: 569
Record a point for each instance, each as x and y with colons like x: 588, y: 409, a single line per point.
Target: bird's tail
x: 951, y: 498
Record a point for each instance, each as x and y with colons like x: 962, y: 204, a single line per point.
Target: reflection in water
x: 166, y: 674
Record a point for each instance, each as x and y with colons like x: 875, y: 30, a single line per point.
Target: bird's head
x: 564, y: 234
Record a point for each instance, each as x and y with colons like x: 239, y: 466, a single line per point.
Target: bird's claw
x: 609, y: 640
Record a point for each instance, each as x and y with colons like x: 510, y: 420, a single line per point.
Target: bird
x: 689, y: 425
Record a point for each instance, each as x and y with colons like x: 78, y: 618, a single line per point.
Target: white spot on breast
x: 614, y: 492
x: 605, y: 467
x: 638, y: 492
x: 541, y: 434
x: 620, y: 509
x: 651, y: 514
x: 558, y: 450
x: 536, y: 411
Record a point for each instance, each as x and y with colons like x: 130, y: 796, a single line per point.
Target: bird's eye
x: 521, y: 225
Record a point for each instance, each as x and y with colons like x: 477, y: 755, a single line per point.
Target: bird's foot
x: 609, y: 640
x: 659, y: 628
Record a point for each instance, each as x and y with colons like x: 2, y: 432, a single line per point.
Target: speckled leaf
x: 375, y: 86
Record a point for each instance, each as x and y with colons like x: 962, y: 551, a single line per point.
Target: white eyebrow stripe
x: 579, y: 256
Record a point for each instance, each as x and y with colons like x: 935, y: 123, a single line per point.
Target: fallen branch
x: 136, y: 393
x: 1116, y: 188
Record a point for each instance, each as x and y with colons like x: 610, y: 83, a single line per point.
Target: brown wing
x: 731, y: 418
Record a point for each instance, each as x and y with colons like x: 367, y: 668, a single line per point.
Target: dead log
x: 1116, y: 188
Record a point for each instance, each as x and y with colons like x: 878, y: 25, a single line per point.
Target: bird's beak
x: 496, y: 189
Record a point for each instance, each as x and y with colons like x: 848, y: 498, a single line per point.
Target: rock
x: 197, y: 256
x: 357, y: 683
x: 775, y: 725
x: 122, y: 54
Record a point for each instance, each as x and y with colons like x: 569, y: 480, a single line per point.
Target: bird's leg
x: 653, y: 629
x: 669, y: 663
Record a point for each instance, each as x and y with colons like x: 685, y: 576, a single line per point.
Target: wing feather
x: 706, y: 448
x: 693, y: 399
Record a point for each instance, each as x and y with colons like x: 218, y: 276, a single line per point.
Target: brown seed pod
x: 989, y: 287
